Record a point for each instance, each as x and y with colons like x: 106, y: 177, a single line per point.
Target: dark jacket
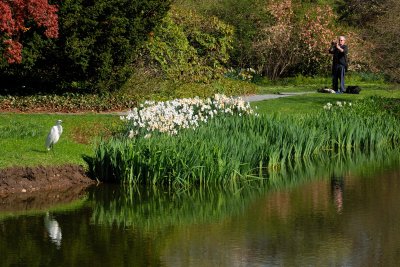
x: 339, y: 58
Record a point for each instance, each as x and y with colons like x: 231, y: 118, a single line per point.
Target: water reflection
x: 337, y: 188
x: 158, y: 208
x: 343, y: 212
x: 53, y: 229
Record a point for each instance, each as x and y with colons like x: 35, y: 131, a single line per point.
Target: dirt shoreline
x: 28, y: 180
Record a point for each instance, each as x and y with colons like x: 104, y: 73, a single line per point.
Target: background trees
x: 189, y: 46
x: 95, y: 46
x: 18, y: 17
x: 378, y: 26
x: 94, y: 49
x: 385, y: 36
x: 99, y: 38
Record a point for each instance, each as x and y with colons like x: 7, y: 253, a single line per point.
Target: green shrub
x: 247, y: 17
x: 101, y: 38
x: 190, y: 47
x: 387, y: 30
x: 144, y: 86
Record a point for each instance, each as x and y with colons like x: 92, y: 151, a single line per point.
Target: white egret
x: 54, y: 135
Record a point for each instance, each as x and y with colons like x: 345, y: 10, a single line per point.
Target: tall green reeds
x: 229, y: 150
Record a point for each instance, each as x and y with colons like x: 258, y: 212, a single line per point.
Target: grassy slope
x: 22, y: 138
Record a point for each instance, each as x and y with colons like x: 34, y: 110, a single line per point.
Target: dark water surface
x: 344, y: 218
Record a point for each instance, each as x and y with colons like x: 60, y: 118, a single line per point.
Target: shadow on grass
x: 42, y: 151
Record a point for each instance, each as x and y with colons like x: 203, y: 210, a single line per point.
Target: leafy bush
x: 276, y: 38
x: 190, y: 47
x: 145, y: 86
x: 138, y: 88
x: 18, y: 17
x: 247, y: 17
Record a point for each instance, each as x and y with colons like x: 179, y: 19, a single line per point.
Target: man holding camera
x: 339, y: 66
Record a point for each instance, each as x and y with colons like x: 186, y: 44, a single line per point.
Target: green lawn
x: 309, y: 103
x: 22, y: 138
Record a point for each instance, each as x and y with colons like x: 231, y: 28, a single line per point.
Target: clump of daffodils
x: 171, y: 116
x: 338, y: 104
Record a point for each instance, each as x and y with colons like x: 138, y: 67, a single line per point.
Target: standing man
x: 339, y: 66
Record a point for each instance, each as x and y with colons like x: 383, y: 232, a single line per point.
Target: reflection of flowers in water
x: 53, y: 229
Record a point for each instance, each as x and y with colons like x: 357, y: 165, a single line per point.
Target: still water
x: 336, y: 217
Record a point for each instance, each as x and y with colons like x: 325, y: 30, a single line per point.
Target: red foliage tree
x: 14, y: 16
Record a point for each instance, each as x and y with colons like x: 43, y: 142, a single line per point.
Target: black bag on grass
x: 353, y: 89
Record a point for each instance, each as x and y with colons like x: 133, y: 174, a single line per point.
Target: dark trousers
x: 338, y: 72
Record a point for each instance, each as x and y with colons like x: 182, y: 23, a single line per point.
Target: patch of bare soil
x: 36, y: 187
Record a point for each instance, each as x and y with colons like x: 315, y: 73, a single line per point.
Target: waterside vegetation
x: 235, y: 149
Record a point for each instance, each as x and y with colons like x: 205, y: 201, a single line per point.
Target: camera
x: 333, y: 43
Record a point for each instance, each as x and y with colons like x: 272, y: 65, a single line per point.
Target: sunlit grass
x: 311, y: 103
x: 304, y: 84
x: 22, y: 138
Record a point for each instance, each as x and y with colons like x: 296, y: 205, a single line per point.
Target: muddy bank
x: 31, y: 179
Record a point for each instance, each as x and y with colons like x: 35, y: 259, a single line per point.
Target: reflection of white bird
x: 54, y: 229
x: 54, y: 135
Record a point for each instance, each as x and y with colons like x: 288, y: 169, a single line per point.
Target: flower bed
x: 171, y: 116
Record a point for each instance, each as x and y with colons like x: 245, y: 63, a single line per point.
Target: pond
x: 338, y: 216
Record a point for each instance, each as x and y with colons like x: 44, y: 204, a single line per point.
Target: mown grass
x: 305, y: 84
x: 22, y: 138
x: 313, y: 102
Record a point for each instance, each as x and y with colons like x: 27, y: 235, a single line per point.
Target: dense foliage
x: 97, y: 40
x: 18, y: 17
x: 190, y: 47
x: 66, y: 102
x: 386, y: 36
x: 99, y: 45
x: 100, y: 38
